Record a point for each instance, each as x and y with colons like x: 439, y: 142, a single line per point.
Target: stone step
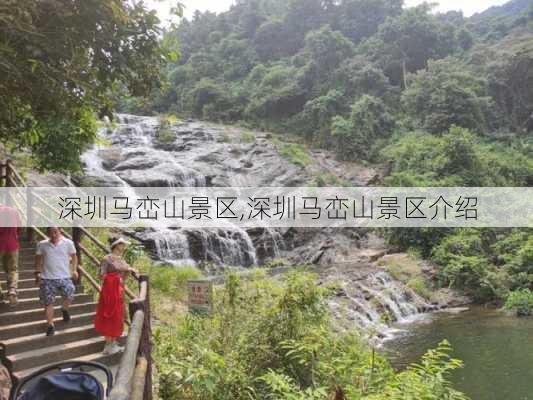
x: 26, y: 266
x: 23, y: 327
x: 22, y: 284
x: 52, y: 354
x: 36, y: 327
x: 31, y: 293
x: 27, y: 255
x: 25, y: 263
x: 34, y: 303
x: 97, y: 357
x: 27, y: 249
x: 18, y: 317
x: 40, y: 341
x: 25, y: 274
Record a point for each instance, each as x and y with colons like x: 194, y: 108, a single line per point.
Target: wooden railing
x: 134, y: 377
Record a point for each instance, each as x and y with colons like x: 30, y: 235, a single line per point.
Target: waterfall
x: 232, y: 247
x: 222, y: 246
x: 128, y: 155
x: 172, y: 247
x: 375, y: 301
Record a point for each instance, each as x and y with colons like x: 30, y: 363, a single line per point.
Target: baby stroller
x: 64, y: 381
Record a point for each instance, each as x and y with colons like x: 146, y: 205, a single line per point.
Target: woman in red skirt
x: 109, y: 320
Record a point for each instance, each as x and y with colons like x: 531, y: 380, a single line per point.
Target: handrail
x: 88, y: 276
x: 134, y: 379
x: 122, y: 388
x: 92, y: 282
x: 16, y: 174
x: 98, y: 243
x: 139, y: 379
x: 136, y: 362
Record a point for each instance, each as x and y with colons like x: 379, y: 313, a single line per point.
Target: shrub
x: 420, y: 286
x: 426, y: 380
x: 164, y: 133
x: 520, y: 302
x: 369, y: 121
x: 248, y: 137
x: 172, y: 281
x: 296, y: 154
x: 447, y: 93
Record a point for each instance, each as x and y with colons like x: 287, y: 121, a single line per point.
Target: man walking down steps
x: 56, y: 266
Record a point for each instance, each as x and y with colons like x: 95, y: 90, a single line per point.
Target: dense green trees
x: 359, y: 19
x: 60, y: 59
x: 278, y: 63
x: 369, y: 121
x: 447, y: 93
x: 484, y: 263
x: 405, y: 43
x: 457, y: 158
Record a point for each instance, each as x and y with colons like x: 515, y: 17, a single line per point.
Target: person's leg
x: 67, y: 289
x: 66, y: 304
x: 12, y: 275
x: 46, y: 296
x: 49, y: 311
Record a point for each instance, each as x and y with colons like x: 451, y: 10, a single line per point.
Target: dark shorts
x: 50, y: 288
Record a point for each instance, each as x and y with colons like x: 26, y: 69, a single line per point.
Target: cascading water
x: 129, y: 155
x: 187, y: 246
x: 172, y: 247
x: 375, y: 300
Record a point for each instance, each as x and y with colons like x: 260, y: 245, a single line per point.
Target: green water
x: 497, y: 350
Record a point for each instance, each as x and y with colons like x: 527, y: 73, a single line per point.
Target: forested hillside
x: 442, y: 100
x: 295, y: 65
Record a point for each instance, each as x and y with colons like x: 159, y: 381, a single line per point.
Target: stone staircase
x: 25, y: 346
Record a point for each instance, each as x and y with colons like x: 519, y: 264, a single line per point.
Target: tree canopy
x: 59, y: 61
x: 300, y: 65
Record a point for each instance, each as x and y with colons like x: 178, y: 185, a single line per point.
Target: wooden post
x: 123, y: 384
x: 9, y: 182
x: 29, y: 214
x: 139, y: 379
x: 148, y: 349
x: 3, y: 174
x: 76, y: 238
x: 9, y: 174
x: 145, y: 346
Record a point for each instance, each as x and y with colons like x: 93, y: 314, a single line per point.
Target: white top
x: 56, y: 258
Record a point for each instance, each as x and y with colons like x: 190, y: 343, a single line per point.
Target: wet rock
x: 268, y: 243
x: 111, y: 157
x: 136, y: 163
x: 221, y: 247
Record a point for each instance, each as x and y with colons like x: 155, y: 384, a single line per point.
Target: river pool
x: 497, y: 350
